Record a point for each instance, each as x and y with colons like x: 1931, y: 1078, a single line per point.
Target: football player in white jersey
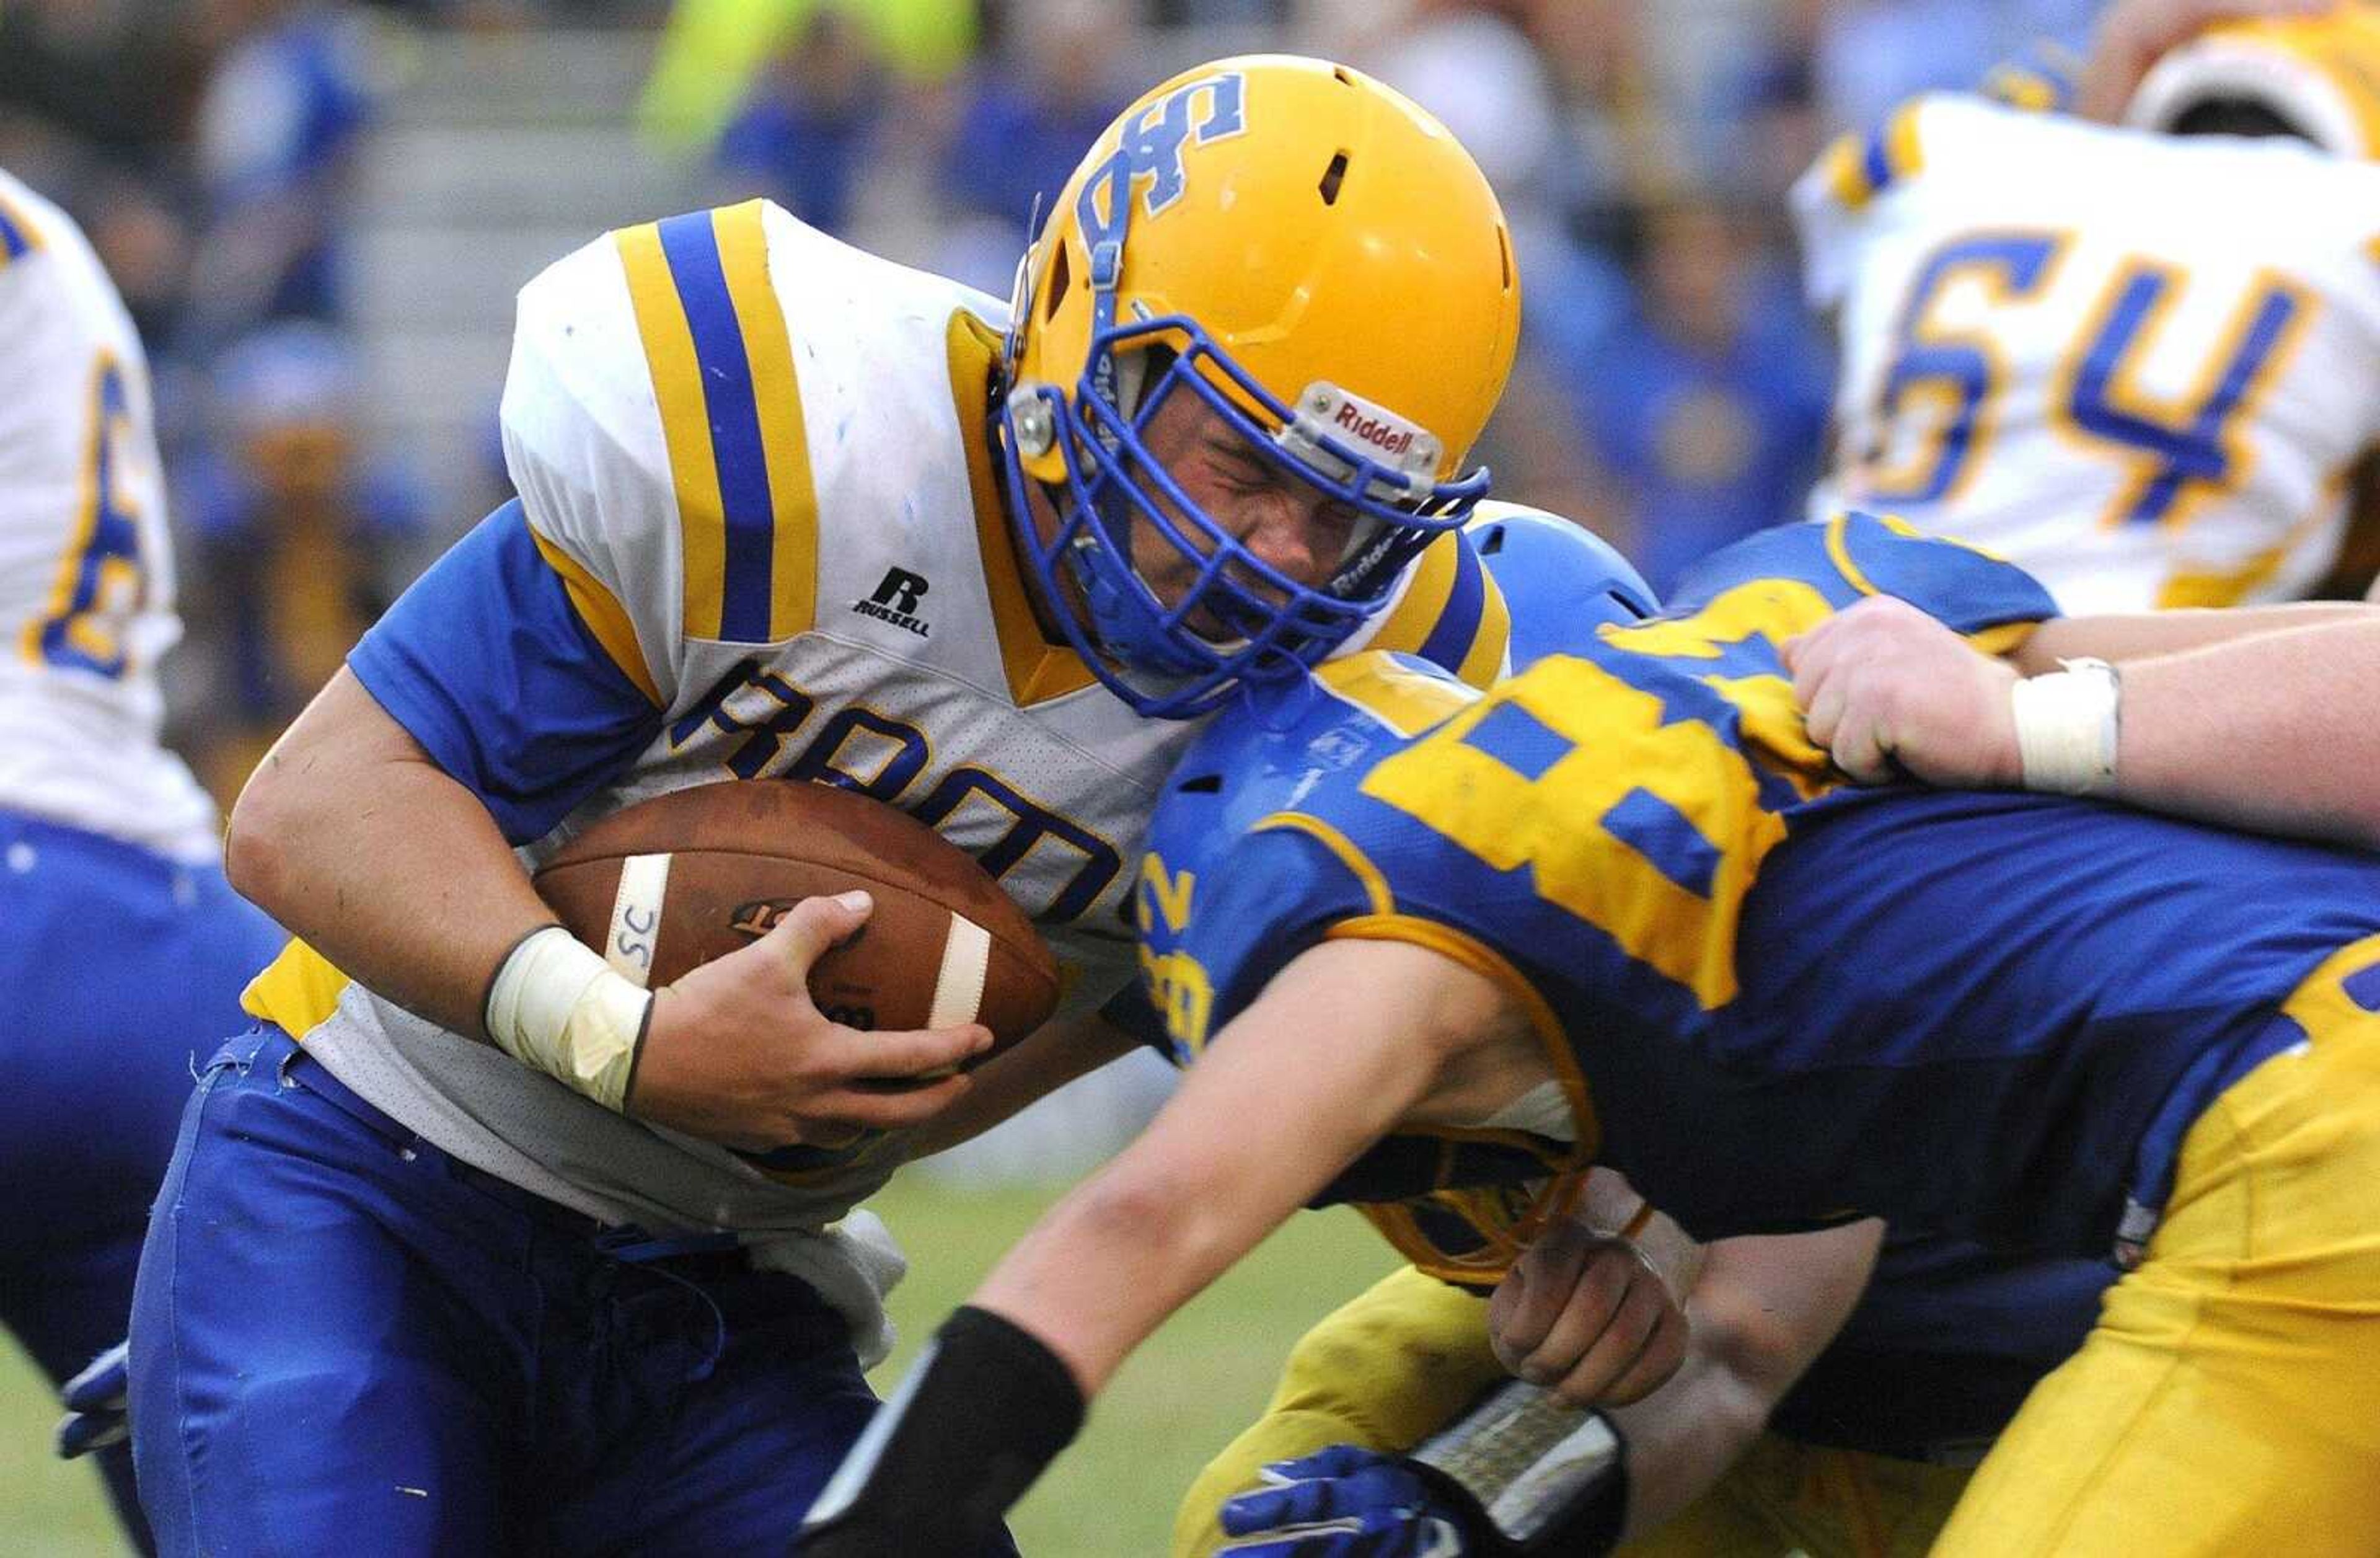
x: 2144, y: 364
x: 122, y: 933
x: 528, y: 1255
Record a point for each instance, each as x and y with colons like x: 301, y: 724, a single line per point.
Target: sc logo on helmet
x: 1150, y: 147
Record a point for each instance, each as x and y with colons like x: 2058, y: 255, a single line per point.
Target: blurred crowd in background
x: 237, y: 162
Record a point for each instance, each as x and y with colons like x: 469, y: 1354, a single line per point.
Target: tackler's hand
x: 1586, y: 1316
x: 1892, y: 693
x: 737, y: 1052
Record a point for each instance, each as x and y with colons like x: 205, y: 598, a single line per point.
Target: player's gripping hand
x: 97, y: 1414
x: 735, y: 1052
x: 1890, y: 693
x: 1346, y: 1502
x: 1586, y: 1317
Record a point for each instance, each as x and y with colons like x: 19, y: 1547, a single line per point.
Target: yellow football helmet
x: 2318, y: 75
x: 1320, y: 261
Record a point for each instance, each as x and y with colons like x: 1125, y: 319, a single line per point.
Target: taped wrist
x: 983, y: 1409
x: 2067, y: 727
x: 556, y: 1006
x: 1531, y: 1477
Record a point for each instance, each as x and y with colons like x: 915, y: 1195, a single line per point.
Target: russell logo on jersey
x: 895, y: 601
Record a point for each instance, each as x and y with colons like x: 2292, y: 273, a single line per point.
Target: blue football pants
x: 346, y: 1340
x: 115, y: 966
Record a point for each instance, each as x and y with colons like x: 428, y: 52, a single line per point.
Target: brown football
x: 670, y: 884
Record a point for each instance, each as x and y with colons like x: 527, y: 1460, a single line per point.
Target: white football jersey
x: 2140, y: 366
x: 758, y: 459
x: 86, y: 565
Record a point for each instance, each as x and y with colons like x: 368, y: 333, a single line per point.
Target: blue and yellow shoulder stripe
x: 1859, y: 167
x: 722, y: 361
x: 1453, y: 614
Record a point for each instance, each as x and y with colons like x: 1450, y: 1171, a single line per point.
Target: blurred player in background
x: 2146, y: 365
x: 556, y: 1261
x: 289, y: 515
x: 125, y: 942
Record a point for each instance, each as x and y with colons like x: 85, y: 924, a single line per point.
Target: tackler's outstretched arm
x: 1340, y: 1048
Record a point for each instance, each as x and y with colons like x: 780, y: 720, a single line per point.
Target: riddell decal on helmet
x: 1358, y: 427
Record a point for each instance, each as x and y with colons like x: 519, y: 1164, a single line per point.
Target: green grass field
x: 1112, y: 1495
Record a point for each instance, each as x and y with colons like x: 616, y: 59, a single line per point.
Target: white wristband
x: 2067, y: 727
x: 558, y: 1008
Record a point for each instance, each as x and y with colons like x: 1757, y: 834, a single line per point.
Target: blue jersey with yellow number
x: 1775, y: 1001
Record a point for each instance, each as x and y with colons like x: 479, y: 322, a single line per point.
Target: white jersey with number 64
x: 2140, y: 366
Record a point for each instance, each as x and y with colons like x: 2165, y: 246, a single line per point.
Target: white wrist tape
x: 2067, y: 726
x: 557, y: 1006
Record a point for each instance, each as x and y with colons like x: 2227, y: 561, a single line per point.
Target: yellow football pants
x: 1394, y: 1364
x: 1781, y: 1497
x: 2226, y: 1403
x: 2229, y: 1399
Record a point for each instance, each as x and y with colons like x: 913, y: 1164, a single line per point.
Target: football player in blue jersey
x: 1872, y: 1440
x: 560, y: 1261
x: 122, y: 931
x: 1394, y: 924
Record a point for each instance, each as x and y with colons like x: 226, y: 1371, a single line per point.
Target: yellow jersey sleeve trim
x: 1036, y: 669
x: 1840, y: 162
x: 1503, y: 1236
x: 1483, y: 959
x: 1375, y: 885
x: 601, y: 611
x: 299, y: 991
x: 1859, y: 168
x: 1839, y: 553
x: 776, y: 392
x: 686, y: 425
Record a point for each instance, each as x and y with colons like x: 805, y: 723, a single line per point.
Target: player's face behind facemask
x: 2314, y: 79
x: 1265, y: 322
